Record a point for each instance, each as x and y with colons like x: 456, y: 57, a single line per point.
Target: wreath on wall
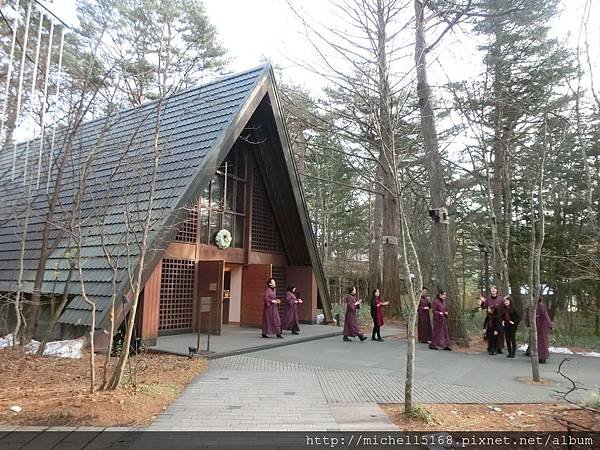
x: 223, y: 239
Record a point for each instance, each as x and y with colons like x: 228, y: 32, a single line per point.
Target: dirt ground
x: 476, y: 345
x: 501, y: 417
x: 56, y: 391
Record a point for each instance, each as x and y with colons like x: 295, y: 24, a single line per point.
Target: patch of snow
x: 6, y: 341
x: 61, y: 349
x: 592, y: 354
x: 562, y: 350
x: 16, y: 408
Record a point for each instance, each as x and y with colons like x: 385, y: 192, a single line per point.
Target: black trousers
x: 492, y: 340
x: 376, y: 329
x: 510, y: 333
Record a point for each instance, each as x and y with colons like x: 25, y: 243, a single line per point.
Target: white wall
x: 235, y: 303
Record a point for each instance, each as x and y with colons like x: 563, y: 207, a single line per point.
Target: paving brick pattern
x: 250, y: 393
x: 223, y: 399
x: 358, y: 386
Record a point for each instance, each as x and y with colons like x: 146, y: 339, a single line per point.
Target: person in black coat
x: 510, y: 322
x: 493, y: 325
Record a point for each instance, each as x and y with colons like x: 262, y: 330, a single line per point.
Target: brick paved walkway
x: 331, y: 385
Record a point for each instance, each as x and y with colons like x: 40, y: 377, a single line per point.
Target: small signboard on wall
x: 205, y: 304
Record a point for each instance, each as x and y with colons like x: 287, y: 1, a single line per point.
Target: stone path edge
x: 258, y: 348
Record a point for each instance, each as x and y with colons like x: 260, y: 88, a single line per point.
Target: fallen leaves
x: 482, y: 417
x: 54, y: 392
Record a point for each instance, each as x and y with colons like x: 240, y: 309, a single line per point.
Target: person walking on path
x: 493, y: 323
x: 377, y: 315
x: 544, y: 325
x: 351, y: 327
x: 494, y: 300
x: 510, y: 322
x: 290, y: 318
x: 441, y: 335
x: 271, y: 323
x: 424, y: 325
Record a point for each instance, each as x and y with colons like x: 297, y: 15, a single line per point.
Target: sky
x: 260, y: 30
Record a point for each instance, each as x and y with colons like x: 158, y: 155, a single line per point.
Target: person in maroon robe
x: 424, y: 321
x: 351, y: 328
x: 544, y: 325
x: 290, y: 317
x: 377, y: 314
x: 441, y: 334
x: 510, y: 323
x: 271, y: 323
x: 494, y: 300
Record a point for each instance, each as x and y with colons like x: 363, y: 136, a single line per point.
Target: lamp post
x: 486, y: 267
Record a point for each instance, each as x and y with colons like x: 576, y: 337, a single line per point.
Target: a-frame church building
x: 211, y: 158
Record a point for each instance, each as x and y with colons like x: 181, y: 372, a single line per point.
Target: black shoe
x: 448, y: 349
x: 265, y: 336
x: 380, y: 339
x: 542, y: 361
x: 499, y: 352
x: 362, y: 338
x: 373, y: 338
x: 280, y: 336
x: 432, y: 347
x: 346, y: 339
x: 494, y: 353
x: 490, y: 352
x: 295, y: 332
x: 512, y: 355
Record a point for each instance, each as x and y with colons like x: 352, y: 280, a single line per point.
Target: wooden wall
x: 254, y: 283
x: 150, y: 306
x: 306, y: 284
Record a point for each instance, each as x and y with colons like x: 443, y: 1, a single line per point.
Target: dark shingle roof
x: 191, y: 125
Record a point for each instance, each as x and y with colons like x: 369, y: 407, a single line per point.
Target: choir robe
x: 544, y: 325
x: 424, y: 321
x: 290, y: 317
x: 377, y: 311
x: 271, y: 323
x: 495, y: 302
x: 441, y: 335
x: 351, y: 327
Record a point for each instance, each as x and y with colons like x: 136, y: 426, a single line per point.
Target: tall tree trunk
x: 537, y: 243
x: 533, y: 341
x: 413, y: 302
x: 387, y: 158
x: 375, y: 248
x: 446, y: 277
x: 500, y: 215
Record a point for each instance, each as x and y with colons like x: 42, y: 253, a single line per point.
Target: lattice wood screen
x: 176, y: 295
x: 188, y: 229
x: 280, y: 275
x: 265, y: 234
